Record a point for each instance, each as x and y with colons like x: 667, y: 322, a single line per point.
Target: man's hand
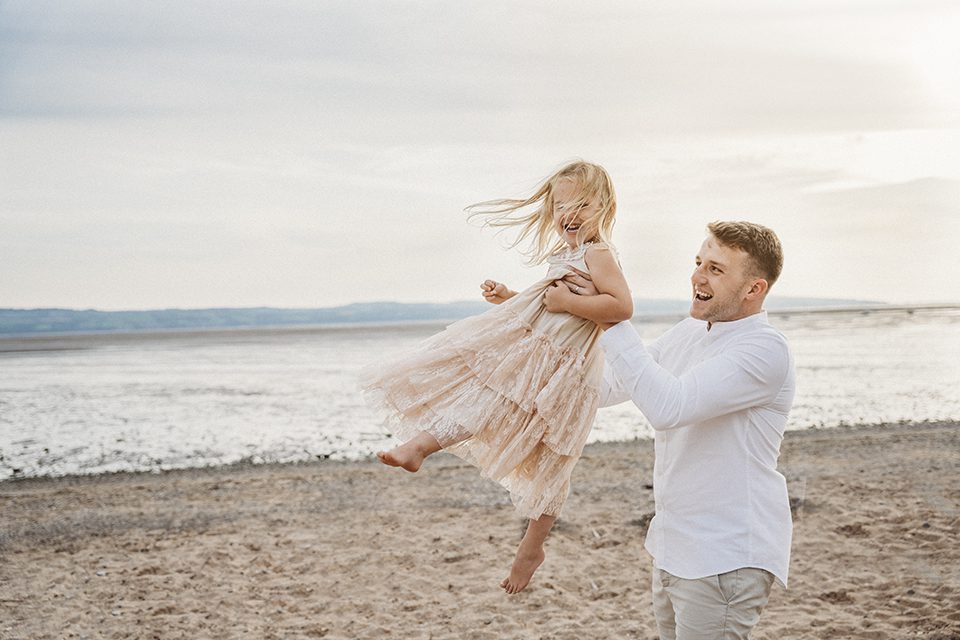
x: 556, y: 298
x: 579, y: 282
x: 496, y: 292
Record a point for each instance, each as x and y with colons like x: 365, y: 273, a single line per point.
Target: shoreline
x: 352, y: 549
x: 59, y: 340
x: 327, y: 460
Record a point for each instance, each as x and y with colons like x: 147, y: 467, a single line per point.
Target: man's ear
x: 759, y: 289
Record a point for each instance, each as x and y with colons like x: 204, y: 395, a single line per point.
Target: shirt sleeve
x: 612, y: 390
x: 748, y: 374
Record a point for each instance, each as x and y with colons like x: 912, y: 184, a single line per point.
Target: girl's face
x: 568, y: 215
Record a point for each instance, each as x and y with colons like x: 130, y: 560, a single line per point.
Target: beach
x: 336, y: 549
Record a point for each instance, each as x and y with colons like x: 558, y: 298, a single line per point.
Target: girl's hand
x: 496, y: 292
x: 579, y: 282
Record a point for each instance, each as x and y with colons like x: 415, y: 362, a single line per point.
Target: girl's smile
x: 570, y: 212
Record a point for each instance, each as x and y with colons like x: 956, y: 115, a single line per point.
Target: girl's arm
x: 614, y: 302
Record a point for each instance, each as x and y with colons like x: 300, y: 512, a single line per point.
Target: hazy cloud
x: 301, y: 153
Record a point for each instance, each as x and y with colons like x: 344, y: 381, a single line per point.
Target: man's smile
x: 702, y: 296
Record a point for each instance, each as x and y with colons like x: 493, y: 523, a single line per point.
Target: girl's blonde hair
x: 594, y: 186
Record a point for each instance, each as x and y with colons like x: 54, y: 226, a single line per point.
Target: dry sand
x: 358, y: 550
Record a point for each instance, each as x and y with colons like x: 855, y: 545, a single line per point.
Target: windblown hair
x: 758, y: 242
x: 594, y: 186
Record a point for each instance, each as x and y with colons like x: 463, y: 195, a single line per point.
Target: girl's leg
x: 530, y: 554
x: 410, y: 454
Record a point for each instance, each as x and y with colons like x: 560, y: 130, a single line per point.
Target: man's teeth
x: 700, y: 295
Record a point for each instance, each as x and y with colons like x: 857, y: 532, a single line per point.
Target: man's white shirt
x: 718, y: 401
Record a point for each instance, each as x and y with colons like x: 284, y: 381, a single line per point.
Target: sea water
x: 135, y: 402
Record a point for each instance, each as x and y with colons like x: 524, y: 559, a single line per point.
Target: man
x: 716, y: 388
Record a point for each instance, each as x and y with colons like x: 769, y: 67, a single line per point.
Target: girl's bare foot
x: 524, y: 566
x: 411, y: 454
x: 529, y: 555
x: 404, y: 456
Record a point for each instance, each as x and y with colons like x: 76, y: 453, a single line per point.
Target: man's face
x: 720, y: 283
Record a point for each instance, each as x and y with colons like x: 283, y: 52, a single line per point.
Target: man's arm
x: 612, y: 390
x: 744, y: 376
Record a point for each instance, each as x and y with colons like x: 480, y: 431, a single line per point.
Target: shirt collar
x: 718, y: 329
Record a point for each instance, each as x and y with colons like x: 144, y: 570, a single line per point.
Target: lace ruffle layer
x: 501, y: 395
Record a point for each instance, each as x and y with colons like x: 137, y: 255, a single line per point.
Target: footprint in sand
x: 853, y: 531
x: 837, y: 597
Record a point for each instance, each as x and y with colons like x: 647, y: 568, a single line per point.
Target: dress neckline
x: 577, y: 249
x: 573, y: 252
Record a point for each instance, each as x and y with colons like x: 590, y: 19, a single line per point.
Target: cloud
x: 894, y: 241
x: 918, y: 199
x: 297, y: 138
x: 509, y: 70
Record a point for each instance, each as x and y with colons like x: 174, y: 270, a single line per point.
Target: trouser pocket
x: 729, y: 585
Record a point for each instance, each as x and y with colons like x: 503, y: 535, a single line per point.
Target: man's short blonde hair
x: 757, y: 241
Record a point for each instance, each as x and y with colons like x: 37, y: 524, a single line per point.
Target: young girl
x: 514, y: 391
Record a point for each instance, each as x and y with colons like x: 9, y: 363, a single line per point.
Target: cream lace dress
x: 513, y: 391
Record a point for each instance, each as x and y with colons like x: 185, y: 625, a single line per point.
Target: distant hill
x: 47, y: 321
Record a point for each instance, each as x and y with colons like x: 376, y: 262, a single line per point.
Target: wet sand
x: 358, y: 550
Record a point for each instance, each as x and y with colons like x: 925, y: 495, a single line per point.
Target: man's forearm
x: 611, y: 389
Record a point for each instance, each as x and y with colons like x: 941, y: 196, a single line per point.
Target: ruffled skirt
x: 513, y: 391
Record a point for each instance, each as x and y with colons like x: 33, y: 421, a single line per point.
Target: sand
x: 358, y: 550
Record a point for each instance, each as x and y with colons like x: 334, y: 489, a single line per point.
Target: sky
x: 302, y: 153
